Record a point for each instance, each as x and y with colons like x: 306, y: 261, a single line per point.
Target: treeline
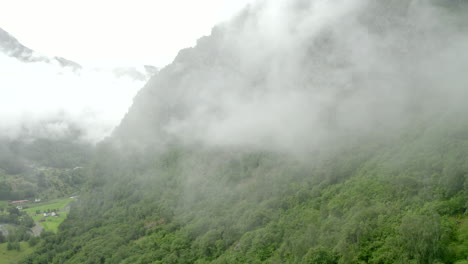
x: 403, y: 200
x: 43, y: 168
x: 14, y: 216
x: 18, y: 225
x: 22, y: 155
x: 46, y: 183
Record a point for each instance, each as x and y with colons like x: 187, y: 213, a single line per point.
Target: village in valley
x: 23, y: 221
x: 27, y: 216
x: 23, y: 204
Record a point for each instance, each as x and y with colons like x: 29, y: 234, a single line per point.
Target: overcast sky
x: 114, y: 32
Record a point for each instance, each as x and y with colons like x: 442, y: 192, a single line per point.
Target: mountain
x: 248, y: 84
x: 10, y: 46
x: 298, y: 132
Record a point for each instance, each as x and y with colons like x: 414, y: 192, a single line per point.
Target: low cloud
x: 46, y: 100
x: 291, y: 75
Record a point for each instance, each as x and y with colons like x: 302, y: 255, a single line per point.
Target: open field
x: 51, y: 222
x: 13, y: 256
x: 51, y: 205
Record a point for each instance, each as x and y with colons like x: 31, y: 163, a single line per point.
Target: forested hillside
x: 34, y: 172
x: 301, y: 132
x: 392, y: 202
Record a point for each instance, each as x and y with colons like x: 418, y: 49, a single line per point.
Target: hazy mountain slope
x: 337, y: 69
x: 299, y: 132
x: 10, y: 46
x: 370, y: 203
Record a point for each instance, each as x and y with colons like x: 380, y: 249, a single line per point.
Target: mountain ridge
x: 11, y: 47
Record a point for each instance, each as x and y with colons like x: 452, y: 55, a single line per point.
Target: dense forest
x: 338, y: 136
x: 400, y: 201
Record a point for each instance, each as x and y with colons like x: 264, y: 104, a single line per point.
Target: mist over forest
x: 293, y: 75
x: 303, y: 131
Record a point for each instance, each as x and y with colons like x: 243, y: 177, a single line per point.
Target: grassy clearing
x: 51, y: 222
x: 52, y: 205
x: 13, y: 256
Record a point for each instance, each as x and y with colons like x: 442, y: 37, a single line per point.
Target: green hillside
x: 402, y: 201
x: 49, y: 223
